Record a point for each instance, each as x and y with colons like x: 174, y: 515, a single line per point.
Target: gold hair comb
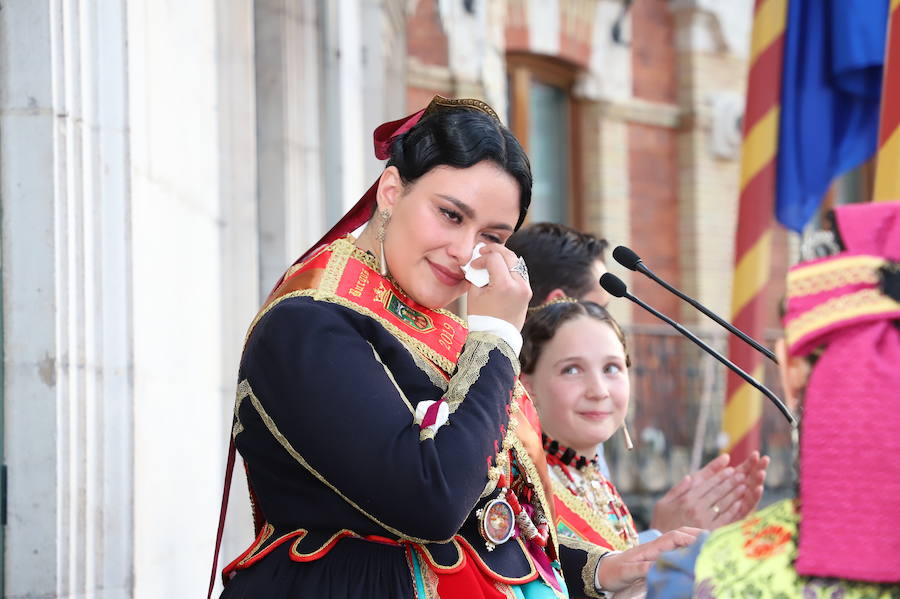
x: 439, y: 102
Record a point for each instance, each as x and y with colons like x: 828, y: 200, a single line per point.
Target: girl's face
x: 580, y: 384
x: 436, y: 222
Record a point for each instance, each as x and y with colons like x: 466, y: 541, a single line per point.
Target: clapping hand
x: 716, y: 495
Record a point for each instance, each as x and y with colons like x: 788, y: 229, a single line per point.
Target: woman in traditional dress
x: 839, y: 538
x: 382, y: 436
x: 575, y: 367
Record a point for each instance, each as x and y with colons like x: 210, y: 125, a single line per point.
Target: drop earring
x: 385, y: 217
x: 628, y: 444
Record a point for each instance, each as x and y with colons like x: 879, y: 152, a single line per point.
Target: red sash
x: 568, y: 520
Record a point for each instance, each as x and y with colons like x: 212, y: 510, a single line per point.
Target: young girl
x: 575, y: 367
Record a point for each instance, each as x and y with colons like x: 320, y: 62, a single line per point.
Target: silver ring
x: 520, y: 269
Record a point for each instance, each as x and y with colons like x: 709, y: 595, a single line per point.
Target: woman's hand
x: 620, y: 571
x: 507, y: 294
x: 714, y: 496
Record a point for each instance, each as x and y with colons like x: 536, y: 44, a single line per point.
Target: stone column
x: 240, y: 260
x: 67, y: 289
x: 290, y: 133
x: 187, y: 209
x: 383, y: 94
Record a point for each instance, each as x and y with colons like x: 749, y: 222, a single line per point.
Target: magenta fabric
x: 431, y: 414
x: 850, y: 439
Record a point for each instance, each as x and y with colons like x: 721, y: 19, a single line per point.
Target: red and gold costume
x: 588, y: 506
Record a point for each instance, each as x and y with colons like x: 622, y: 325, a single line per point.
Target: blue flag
x: 830, y: 93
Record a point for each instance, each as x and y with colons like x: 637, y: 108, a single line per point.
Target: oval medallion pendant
x: 496, y: 522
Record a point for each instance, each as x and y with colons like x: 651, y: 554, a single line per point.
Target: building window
x: 541, y: 117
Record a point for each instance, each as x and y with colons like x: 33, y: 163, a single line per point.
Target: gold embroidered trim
x: 519, y: 393
x: 597, y: 521
x: 243, y: 390
x: 410, y: 556
x: 267, y: 531
x: 833, y: 274
x: 340, y: 255
x: 535, y: 479
x: 589, y: 572
x: 860, y: 303
x: 434, y: 374
x: 332, y: 540
x: 432, y: 563
x: 505, y: 589
x: 501, y: 460
x: 318, y: 295
x: 507, y: 351
x: 427, y: 433
x: 283, y: 441
x: 290, y: 271
x: 532, y: 573
x: 430, y: 581
x: 342, y: 250
x: 348, y: 246
x: 390, y: 375
x: 473, y: 358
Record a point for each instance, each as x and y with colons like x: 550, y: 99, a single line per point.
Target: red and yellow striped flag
x: 887, y: 169
x: 743, y: 407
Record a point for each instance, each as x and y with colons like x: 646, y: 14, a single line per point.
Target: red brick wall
x: 653, y: 63
x: 425, y: 39
x: 653, y: 157
x: 516, y: 28
x: 418, y: 98
x: 653, y: 174
x: 426, y: 43
x: 575, y: 36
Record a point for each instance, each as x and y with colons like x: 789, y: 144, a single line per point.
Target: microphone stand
x: 733, y: 329
x: 630, y: 260
x: 617, y: 288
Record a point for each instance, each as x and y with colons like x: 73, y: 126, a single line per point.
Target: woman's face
x: 580, y: 384
x: 436, y: 222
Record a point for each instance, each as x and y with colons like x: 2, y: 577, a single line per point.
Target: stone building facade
x: 162, y: 162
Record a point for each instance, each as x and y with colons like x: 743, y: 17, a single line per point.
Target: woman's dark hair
x: 461, y: 137
x: 558, y: 257
x: 543, y: 325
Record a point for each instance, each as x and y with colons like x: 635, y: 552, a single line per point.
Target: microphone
x: 617, y: 288
x: 630, y: 260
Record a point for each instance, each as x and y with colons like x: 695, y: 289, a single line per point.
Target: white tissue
x: 477, y: 276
